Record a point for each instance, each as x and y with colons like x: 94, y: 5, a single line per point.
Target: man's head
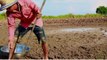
x: 6, y: 4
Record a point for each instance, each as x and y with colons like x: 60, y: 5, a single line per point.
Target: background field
x: 68, y: 37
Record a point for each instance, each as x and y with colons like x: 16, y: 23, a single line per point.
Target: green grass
x: 3, y: 17
x: 73, y: 16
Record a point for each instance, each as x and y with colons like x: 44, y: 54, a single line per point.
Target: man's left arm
x: 36, y: 10
x: 37, y: 13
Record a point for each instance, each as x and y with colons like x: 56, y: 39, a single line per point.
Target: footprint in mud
x: 104, y: 32
x: 82, y: 47
x: 0, y: 25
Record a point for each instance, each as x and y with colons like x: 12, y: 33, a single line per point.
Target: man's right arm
x: 11, y: 29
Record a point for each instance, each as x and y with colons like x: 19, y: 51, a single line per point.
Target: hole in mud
x: 105, y: 33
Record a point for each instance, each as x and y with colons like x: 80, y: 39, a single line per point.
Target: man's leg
x: 39, y: 32
x: 45, y: 50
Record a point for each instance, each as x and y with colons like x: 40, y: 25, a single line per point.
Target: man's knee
x: 43, y: 39
x: 39, y: 32
x: 20, y: 31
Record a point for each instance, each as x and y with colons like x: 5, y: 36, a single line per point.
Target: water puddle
x: 85, y: 29
x: 78, y: 29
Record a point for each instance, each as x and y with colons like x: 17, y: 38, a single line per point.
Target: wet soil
x: 67, y: 44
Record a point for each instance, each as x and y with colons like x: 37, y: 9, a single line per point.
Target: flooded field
x: 68, y: 39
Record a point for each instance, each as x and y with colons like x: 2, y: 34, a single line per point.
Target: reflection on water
x: 78, y: 29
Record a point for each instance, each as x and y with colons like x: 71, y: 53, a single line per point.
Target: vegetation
x: 73, y: 16
x: 101, y: 10
x: 3, y: 17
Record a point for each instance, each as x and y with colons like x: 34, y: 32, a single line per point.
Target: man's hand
x: 39, y: 16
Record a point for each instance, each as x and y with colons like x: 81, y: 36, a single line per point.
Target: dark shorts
x: 38, y: 31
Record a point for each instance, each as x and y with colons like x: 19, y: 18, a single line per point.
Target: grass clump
x: 2, y: 16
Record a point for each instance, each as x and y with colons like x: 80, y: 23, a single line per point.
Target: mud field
x: 84, y: 38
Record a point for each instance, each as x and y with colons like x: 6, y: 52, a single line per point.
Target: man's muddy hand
x: 39, y: 16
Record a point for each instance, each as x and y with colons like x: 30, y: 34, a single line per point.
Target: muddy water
x: 81, y: 29
x: 78, y: 29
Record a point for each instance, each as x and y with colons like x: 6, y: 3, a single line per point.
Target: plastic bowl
x: 20, y: 51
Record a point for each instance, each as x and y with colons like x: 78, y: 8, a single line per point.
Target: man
x: 27, y: 11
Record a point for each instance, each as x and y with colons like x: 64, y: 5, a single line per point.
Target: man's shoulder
x: 25, y: 1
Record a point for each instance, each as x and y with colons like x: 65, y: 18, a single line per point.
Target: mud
x: 84, y: 38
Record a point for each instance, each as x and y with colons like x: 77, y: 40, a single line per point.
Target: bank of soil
x: 64, y: 44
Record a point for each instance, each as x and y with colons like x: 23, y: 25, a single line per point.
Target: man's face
x: 12, y: 8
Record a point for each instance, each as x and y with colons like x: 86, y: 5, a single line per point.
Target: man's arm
x: 35, y: 8
x: 11, y: 29
x: 37, y: 12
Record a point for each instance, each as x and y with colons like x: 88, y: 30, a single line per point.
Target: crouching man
x: 26, y: 11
